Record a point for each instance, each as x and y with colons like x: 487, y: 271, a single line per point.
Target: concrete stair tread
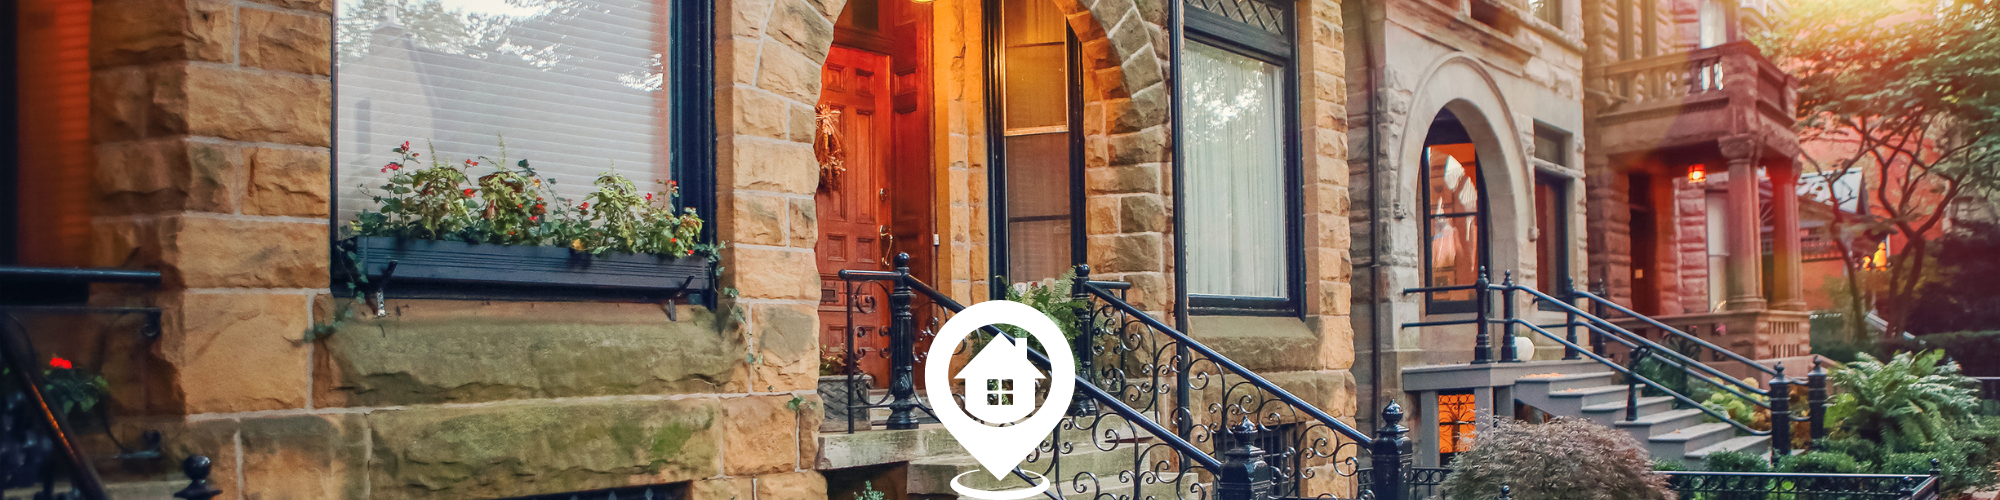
x: 1658, y: 418
x: 1620, y: 405
x: 1732, y: 444
x: 1568, y: 377
x: 1694, y: 432
x: 1587, y: 391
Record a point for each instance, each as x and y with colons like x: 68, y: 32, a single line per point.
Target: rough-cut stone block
x: 1144, y: 213
x: 788, y: 342
x: 1127, y: 253
x: 288, y: 182
x: 808, y: 484
x: 802, y: 28
x: 765, y: 165
x: 215, y: 439
x: 258, y: 107
x: 238, y: 352
x: 308, y: 456
x: 789, y: 73
x: 167, y: 175
x: 747, y: 17
x: 1336, y: 342
x: 149, y: 31
x: 761, y: 114
x: 759, y: 220
x: 1123, y: 179
x: 1139, y: 147
x: 760, y: 436
x: 118, y: 102
x: 811, y: 413
x: 804, y: 123
x: 723, y: 488
x: 319, y: 6
x: 803, y: 230
x: 461, y: 352
x: 1263, y: 344
x: 1146, y: 108
x: 287, y: 42
x: 208, y: 252
x: 764, y: 273
x: 513, y: 450
x: 1101, y: 214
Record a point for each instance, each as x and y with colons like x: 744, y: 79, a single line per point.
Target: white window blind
x: 1235, y: 174
x: 573, y: 86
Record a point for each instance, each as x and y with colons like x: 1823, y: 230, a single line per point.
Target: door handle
x: 888, y: 242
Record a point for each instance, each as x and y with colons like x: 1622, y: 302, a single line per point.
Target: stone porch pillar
x: 1788, y: 292
x: 1745, y: 249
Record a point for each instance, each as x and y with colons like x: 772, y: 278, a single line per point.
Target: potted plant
x: 440, y: 223
x: 836, y: 394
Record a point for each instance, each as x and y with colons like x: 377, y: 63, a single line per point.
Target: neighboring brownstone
x: 288, y: 182
x: 239, y: 351
x: 204, y: 252
x: 285, y: 41
x: 308, y: 456
x: 258, y: 107
x: 759, y: 436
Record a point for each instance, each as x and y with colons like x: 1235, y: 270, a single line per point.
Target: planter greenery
x: 441, y: 223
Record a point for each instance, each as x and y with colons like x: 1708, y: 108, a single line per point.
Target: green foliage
x: 1052, y: 297
x: 1906, y: 404
x: 1564, y: 459
x: 1964, y: 461
x: 514, y: 205
x: 1820, y: 462
x: 1736, y: 461
x: 1978, y: 353
x: 75, y: 391
x: 868, y: 492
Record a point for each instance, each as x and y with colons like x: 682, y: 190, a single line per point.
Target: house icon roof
x: 1000, y: 360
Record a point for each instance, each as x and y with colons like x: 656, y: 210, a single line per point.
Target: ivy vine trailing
x: 514, y: 205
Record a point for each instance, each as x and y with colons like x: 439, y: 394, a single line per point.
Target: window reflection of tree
x: 527, y: 33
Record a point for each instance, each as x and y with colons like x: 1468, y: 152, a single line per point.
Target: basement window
x: 1457, y: 415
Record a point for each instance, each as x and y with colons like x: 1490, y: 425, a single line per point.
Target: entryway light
x: 1697, y: 173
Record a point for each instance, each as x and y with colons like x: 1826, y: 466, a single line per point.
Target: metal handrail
x: 1641, y: 378
x: 1676, y: 331
x: 20, y: 358
x: 1230, y: 365
x: 1613, y: 329
x: 79, y: 275
x: 1186, y: 449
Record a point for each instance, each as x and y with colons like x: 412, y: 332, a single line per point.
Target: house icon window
x: 1000, y: 382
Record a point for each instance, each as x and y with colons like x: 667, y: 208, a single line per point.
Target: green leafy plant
x: 868, y: 492
x: 1563, y: 459
x: 73, y: 391
x: 1907, y: 404
x: 514, y: 205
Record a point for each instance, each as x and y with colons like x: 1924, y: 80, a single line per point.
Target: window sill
x: 455, y: 269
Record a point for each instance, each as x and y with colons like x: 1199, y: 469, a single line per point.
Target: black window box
x: 471, y: 269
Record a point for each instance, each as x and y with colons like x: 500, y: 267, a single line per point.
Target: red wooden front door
x: 854, y: 217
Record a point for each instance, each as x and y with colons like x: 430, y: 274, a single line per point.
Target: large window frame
x: 999, y: 220
x: 1433, y: 304
x: 690, y: 94
x: 1236, y: 35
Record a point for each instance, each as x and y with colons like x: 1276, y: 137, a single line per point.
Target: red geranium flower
x: 468, y: 191
x: 58, y: 362
x: 586, y: 206
x: 649, y: 196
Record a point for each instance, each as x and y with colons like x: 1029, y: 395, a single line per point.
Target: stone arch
x: 1460, y: 84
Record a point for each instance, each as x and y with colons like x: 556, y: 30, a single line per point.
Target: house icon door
x: 1000, y: 382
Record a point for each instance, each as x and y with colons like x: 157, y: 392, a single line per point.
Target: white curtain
x: 1235, y: 172
x: 573, y: 86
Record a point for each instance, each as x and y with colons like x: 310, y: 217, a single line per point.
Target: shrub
x: 1978, y: 353
x: 1736, y: 461
x: 1907, y: 404
x: 1564, y: 459
x: 1820, y: 462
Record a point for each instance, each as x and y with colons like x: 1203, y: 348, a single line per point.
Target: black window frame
x: 997, y: 255
x: 691, y: 136
x: 10, y: 135
x: 1559, y: 188
x: 1237, y: 37
x: 1432, y: 305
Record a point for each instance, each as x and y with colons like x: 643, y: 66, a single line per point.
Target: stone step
x: 136, y: 490
x: 1679, y: 442
x: 1647, y: 426
x: 1567, y: 381
x: 1587, y: 396
x: 1614, y: 412
x: 932, y: 476
x: 1755, y: 445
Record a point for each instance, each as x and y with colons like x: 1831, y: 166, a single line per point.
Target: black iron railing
x: 38, y: 443
x: 1187, y: 421
x: 1602, y: 333
x: 1797, y: 486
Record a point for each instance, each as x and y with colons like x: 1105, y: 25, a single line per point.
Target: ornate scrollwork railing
x: 1796, y: 486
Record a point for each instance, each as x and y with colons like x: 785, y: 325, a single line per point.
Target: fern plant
x: 1907, y: 404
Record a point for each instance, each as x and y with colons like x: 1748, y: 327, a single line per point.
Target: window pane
x: 572, y: 85
x: 1038, y: 206
x: 1551, y: 145
x: 1550, y: 247
x: 1549, y: 11
x: 1454, y: 224
x: 1235, y: 174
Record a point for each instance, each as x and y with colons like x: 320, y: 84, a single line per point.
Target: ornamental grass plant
x: 1563, y: 459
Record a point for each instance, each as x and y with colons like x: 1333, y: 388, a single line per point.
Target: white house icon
x: 999, y: 382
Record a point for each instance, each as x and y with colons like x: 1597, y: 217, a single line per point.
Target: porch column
x: 1788, y: 293
x: 1745, y: 246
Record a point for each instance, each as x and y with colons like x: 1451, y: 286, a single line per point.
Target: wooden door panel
x: 851, y: 207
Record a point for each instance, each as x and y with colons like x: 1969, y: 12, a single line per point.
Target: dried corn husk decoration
x: 827, y: 145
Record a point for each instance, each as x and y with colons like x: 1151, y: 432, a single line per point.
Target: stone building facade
x: 212, y: 138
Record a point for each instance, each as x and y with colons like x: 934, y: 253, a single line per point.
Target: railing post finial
x: 902, y: 350
x: 1507, y: 354
x: 1244, y: 475
x: 197, y: 468
x: 1506, y: 492
x: 1482, y: 342
x: 1388, y: 452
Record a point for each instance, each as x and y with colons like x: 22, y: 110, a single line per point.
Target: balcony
x: 1690, y: 100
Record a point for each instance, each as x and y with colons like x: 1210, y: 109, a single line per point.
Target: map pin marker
x: 1000, y: 384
